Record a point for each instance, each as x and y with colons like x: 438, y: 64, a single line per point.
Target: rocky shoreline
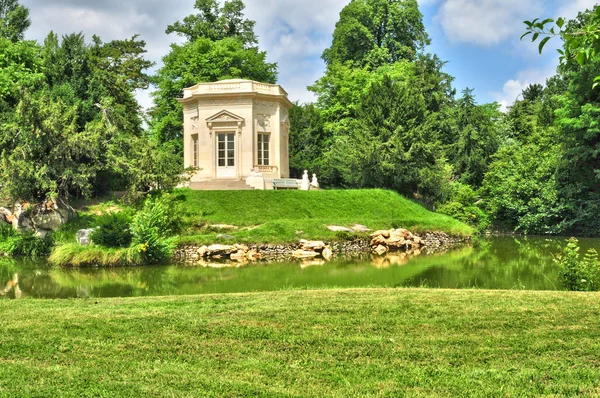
x: 220, y: 255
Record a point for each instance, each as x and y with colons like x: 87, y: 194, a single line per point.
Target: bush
x: 463, y: 207
x: 576, y: 274
x: 113, y: 231
x: 152, y: 227
x: 14, y: 243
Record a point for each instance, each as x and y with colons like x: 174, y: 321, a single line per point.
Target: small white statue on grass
x: 305, y: 184
x: 314, y: 183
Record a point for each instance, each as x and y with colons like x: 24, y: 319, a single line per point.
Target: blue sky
x: 478, y: 38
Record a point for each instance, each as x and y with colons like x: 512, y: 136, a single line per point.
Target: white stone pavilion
x: 234, y: 129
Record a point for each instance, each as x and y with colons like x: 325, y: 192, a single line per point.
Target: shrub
x: 113, y: 231
x: 14, y: 243
x: 151, y: 229
x: 578, y: 274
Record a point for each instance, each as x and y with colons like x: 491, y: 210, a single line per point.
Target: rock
x: 304, y: 254
x: 48, y: 216
x: 337, y: 228
x: 396, y: 242
x: 221, y: 250
x: 253, y: 255
x: 222, y: 226
x: 384, y: 233
x: 312, y: 246
x: 240, y: 256
x: 360, y: 228
x: 42, y: 233
x: 381, y: 250
x: 378, y: 240
x: 83, y: 236
x: 203, y: 251
x: 241, y: 247
x: 225, y: 237
x: 418, y: 240
x: 327, y: 253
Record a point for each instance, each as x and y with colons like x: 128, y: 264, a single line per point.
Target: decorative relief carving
x: 224, y: 118
x: 264, y: 121
x: 266, y: 104
x: 195, y: 123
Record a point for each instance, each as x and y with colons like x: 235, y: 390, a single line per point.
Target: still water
x: 497, y: 263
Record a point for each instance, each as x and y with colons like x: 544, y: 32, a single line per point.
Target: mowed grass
x: 339, y: 343
x: 286, y: 216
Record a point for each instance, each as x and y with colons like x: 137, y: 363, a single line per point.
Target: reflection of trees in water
x: 502, y: 262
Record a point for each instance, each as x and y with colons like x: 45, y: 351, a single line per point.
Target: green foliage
x: 464, y: 205
x: 113, y: 230
x: 75, y: 255
x: 578, y: 274
x: 152, y: 227
x: 375, y: 32
x: 14, y: 20
x: 477, y: 138
x: 15, y: 243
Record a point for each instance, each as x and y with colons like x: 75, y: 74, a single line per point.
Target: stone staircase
x: 220, y: 185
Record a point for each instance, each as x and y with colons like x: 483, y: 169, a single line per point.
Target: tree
x: 374, y: 32
x: 220, y: 45
x: 14, y: 20
x: 476, y: 138
x: 581, y: 37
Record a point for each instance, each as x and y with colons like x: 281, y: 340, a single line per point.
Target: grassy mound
x: 334, y: 343
x: 286, y: 216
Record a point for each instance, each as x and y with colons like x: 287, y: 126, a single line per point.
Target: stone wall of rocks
x: 431, y: 242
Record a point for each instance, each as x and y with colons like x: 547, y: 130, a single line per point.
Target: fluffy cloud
x: 294, y: 33
x: 485, y: 22
x: 573, y: 7
x: 514, y: 87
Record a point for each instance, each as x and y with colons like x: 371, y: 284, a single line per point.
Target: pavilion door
x: 226, y: 167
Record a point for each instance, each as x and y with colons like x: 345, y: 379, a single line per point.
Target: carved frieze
x: 264, y: 121
x: 266, y: 104
x: 225, y: 102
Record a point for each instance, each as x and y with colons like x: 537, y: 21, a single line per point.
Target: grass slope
x: 278, y: 215
x: 340, y: 343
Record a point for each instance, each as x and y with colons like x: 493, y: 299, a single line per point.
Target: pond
x: 496, y: 263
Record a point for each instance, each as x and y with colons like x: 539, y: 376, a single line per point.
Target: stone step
x: 220, y: 185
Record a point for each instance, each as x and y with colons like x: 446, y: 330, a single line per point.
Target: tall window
x: 263, y: 149
x: 195, y: 145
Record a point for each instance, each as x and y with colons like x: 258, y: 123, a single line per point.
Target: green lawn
x: 381, y: 342
x: 286, y: 216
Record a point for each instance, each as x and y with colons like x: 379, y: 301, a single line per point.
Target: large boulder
x: 41, y: 217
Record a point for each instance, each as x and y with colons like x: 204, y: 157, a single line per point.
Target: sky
x: 479, y: 39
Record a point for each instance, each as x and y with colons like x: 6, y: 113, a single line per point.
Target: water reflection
x: 499, y: 263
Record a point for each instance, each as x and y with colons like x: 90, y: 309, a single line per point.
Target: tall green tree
x: 476, y: 138
x: 14, y: 20
x: 220, y: 44
x: 375, y: 32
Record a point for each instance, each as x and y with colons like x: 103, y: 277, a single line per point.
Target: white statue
x: 314, y: 182
x: 305, y: 184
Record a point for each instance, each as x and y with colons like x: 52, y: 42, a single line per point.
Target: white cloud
x: 514, y: 87
x: 294, y: 32
x: 574, y: 7
x: 485, y: 22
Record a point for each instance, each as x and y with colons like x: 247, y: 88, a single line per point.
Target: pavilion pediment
x: 225, y: 117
